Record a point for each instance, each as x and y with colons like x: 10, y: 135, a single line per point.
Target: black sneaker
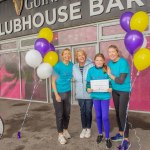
x: 108, y: 143
x: 99, y: 138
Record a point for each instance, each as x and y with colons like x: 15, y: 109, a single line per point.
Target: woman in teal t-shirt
x: 100, y: 99
x: 61, y: 84
x: 120, y: 79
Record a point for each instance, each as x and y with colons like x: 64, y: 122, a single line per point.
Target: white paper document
x: 100, y: 85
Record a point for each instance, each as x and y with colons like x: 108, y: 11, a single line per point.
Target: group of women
x: 117, y: 71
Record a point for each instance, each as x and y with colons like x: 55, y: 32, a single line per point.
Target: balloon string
x: 137, y: 137
x: 131, y: 67
x: 26, y: 114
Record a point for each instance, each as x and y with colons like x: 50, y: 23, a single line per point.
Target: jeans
x: 86, y: 112
x: 62, y: 110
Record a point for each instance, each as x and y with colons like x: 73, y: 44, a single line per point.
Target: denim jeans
x: 86, y: 112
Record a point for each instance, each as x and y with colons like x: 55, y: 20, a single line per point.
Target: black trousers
x: 121, y: 100
x: 62, y: 110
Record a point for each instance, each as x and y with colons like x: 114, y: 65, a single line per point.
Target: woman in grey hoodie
x: 80, y: 70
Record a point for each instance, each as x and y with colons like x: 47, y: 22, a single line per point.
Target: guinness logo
x: 18, y: 4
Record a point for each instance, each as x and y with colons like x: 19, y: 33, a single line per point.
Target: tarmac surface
x: 39, y: 131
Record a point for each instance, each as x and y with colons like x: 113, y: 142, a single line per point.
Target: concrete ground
x: 39, y: 131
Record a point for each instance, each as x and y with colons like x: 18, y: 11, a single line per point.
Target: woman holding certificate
x: 98, y: 87
x: 80, y: 70
x: 120, y: 79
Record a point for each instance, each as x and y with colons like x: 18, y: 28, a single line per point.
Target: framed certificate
x: 100, y: 85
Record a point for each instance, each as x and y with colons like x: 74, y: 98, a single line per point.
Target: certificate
x: 100, y: 85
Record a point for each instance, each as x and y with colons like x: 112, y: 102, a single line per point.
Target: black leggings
x: 62, y: 110
x: 121, y: 100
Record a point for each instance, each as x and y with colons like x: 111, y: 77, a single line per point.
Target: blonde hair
x: 66, y: 49
x: 80, y: 51
x: 102, y: 56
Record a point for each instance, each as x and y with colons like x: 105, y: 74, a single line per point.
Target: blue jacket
x: 80, y: 81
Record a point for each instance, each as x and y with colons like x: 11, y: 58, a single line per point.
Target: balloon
x: 125, y: 21
x: 141, y: 59
x: 51, y: 58
x: 33, y: 58
x: 139, y: 21
x: 51, y: 47
x: 42, y: 46
x: 144, y: 43
x: 133, y: 41
x: 46, y: 33
x: 44, y: 71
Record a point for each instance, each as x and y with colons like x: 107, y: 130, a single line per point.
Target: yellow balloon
x: 139, y: 21
x: 141, y: 59
x: 51, y: 58
x: 46, y: 33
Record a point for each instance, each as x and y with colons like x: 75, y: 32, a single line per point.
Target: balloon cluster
x: 135, y: 42
x: 43, y: 55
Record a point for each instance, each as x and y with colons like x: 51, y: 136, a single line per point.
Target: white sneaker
x: 62, y: 139
x: 66, y: 134
x: 82, y: 134
x: 88, y: 133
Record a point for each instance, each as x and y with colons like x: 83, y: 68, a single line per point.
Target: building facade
x: 91, y: 25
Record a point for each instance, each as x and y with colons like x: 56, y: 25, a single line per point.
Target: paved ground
x: 39, y: 132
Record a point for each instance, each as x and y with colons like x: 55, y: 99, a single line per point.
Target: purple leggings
x: 102, y: 116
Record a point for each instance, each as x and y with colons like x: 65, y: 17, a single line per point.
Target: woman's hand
x: 89, y: 90
x: 108, y: 71
x: 58, y: 98
x: 109, y: 90
x: 109, y: 74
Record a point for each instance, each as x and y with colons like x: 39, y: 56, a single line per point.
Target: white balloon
x: 44, y: 71
x: 33, y: 58
x: 144, y: 43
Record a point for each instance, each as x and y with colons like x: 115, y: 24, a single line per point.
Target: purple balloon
x: 51, y: 47
x: 42, y: 46
x: 125, y: 21
x: 133, y: 41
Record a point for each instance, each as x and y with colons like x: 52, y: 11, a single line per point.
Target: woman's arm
x: 58, y: 98
x: 120, y: 79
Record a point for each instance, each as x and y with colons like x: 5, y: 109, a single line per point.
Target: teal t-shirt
x: 98, y: 74
x: 63, y: 75
x: 121, y: 66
